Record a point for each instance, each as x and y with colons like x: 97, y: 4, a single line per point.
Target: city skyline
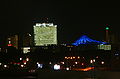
x: 59, y: 39
x: 72, y: 18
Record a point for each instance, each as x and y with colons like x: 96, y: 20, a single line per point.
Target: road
x: 17, y: 75
x: 62, y: 75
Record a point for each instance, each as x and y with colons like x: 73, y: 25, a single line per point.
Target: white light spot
x: 76, y: 62
x: 63, y: 62
x: 24, y: 62
x: 67, y: 68
x: 27, y: 59
x: 5, y: 65
x: 91, y: 61
x: 50, y: 63
x: 22, y: 65
x: 56, y: 67
x: 40, y: 65
x: 102, y: 62
x: 20, y: 58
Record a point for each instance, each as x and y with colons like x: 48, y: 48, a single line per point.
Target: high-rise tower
x: 107, y: 34
x: 45, y: 34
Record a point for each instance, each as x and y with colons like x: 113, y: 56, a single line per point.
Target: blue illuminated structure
x: 83, y: 40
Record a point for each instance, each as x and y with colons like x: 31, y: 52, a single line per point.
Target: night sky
x: 73, y: 18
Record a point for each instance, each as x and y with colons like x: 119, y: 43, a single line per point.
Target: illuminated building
x: 107, y: 34
x: 26, y: 50
x: 27, y: 40
x: 104, y: 47
x: 45, y: 34
x: 13, y: 41
x: 85, y: 40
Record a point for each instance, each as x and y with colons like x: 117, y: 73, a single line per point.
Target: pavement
x: 78, y: 75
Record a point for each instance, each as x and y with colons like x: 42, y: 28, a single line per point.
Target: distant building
x: 85, y: 40
x: 27, y: 40
x: 107, y: 35
x: 26, y: 49
x: 45, y: 34
x: 13, y: 41
x: 104, y: 47
x: 114, y: 38
x: 85, y: 43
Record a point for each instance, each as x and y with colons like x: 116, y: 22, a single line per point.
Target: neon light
x: 9, y: 44
x: 86, y: 40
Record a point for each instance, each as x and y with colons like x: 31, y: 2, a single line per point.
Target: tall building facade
x: 27, y: 40
x: 45, y: 34
x: 107, y: 35
x: 13, y: 41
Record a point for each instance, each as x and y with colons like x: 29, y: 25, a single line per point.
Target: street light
x: 102, y: 62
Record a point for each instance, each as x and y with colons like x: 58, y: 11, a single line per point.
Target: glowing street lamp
x: 76, y: 62
x: 56, y: 67
x: 63, y: 62
x: 5, y: 65
x: 50, y: 63
x: 78, y: 57
x: 91, y: 61
x: 82, y: 64
x: 20, y: 58
x: 27, y: 59
x: 65, y: 57
x: 102, y: 62
x: 73, y: 57
x: 25, y: 63
x: 68, y: 57
x: 22, y: 65
x: 37, y: 62
x: 67, y: 68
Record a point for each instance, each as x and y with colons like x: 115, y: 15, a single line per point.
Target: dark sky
x: 73, y: 18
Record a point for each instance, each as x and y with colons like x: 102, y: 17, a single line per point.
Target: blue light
x: 86, y: 40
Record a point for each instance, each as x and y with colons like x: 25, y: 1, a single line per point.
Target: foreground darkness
x: 57, y: 54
